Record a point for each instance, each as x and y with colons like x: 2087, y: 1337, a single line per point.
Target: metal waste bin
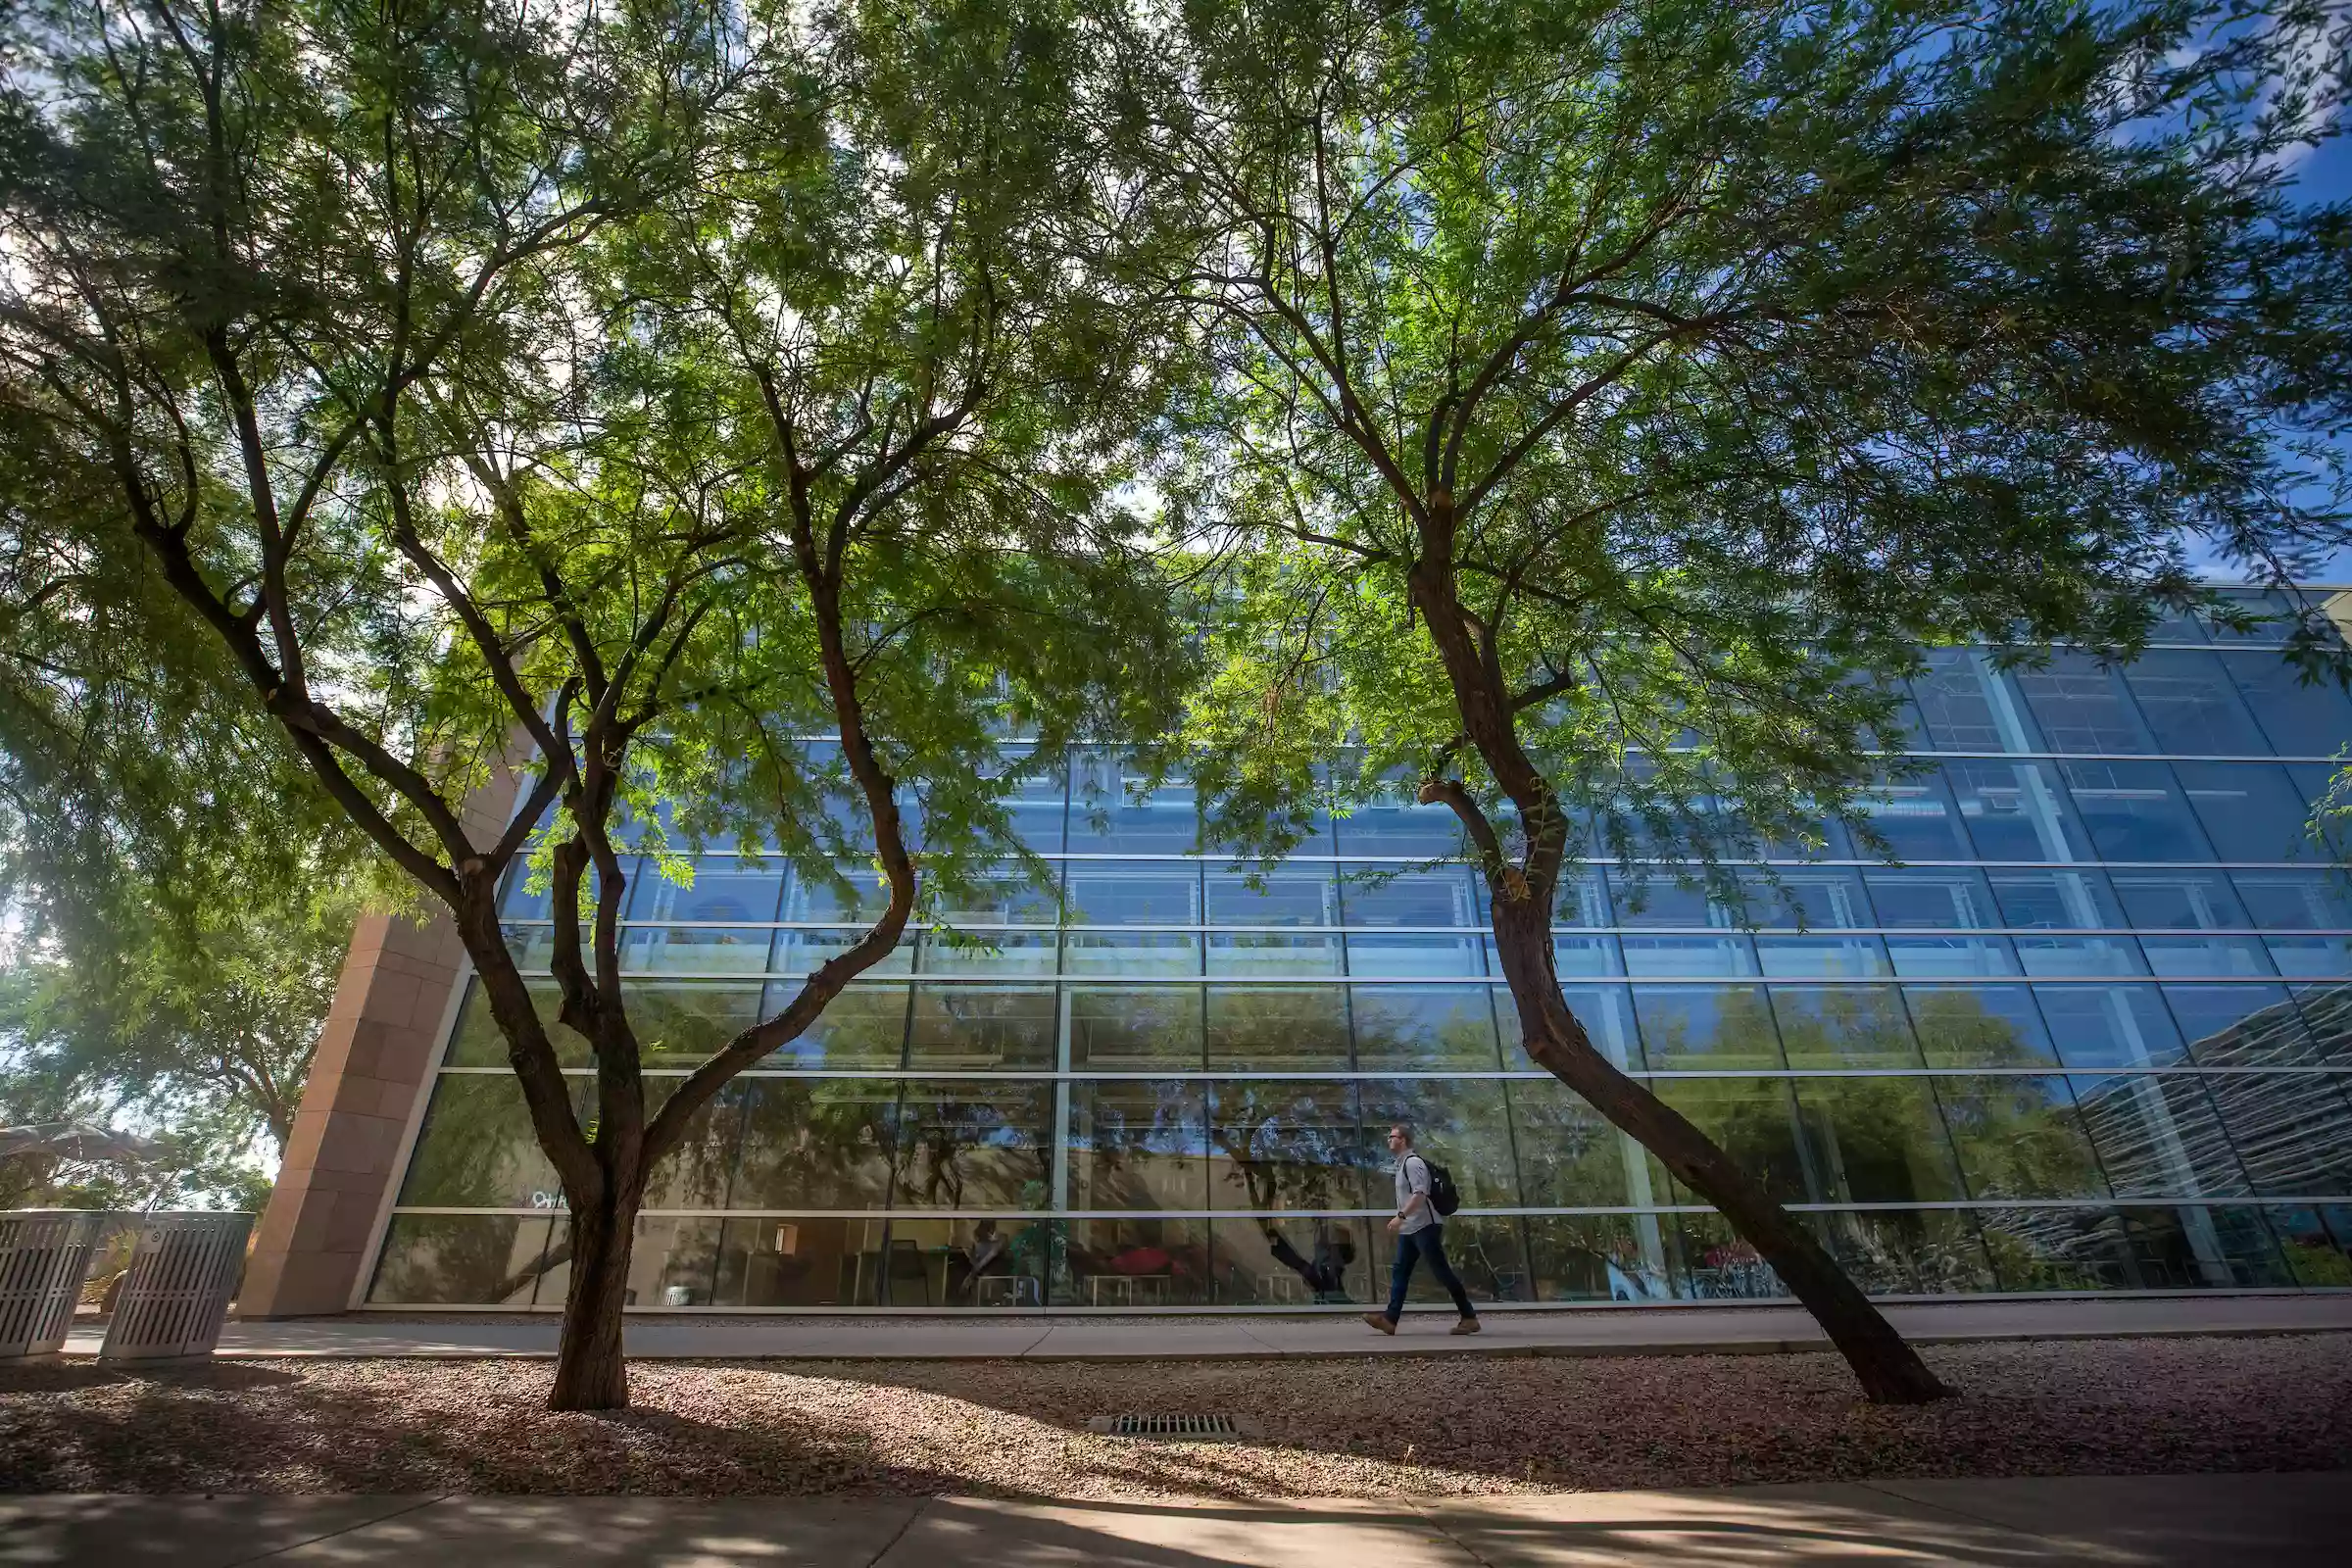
x: 44, y: 1256
x: 177, y: 1295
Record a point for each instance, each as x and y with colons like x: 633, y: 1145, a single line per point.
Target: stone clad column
x: 374, y: 1065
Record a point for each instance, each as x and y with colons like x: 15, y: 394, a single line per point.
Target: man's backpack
x: 1443, y: 1196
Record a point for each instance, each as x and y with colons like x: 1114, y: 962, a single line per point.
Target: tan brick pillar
x: 373, y: 1068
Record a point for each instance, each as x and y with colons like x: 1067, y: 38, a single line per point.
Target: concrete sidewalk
x: 2277, y: 1520
x: 1636, y: 1331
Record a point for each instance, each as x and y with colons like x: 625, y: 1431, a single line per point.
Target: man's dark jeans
x: 1430, y: 1243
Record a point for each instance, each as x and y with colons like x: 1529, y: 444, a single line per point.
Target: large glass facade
x: 2095, y: 1033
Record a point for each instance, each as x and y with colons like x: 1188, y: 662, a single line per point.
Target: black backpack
x: 1443, y: 1196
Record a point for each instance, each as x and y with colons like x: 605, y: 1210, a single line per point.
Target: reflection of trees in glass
x: 1463, y: 1124
x: 1278, y: 1028
x: 477, y: 1150
x: 1874, y: 1140
x: 864, y: 1027
x: 1984, y: 1026
x: 1138, y: 1145
x: 1569, y: 1155
x: 1843, y: 1026
x: 477, y: 1042
x: 1127, y: 1027
x: 1697, y: 1027
x: 435, y: 1260
x: 1423, y: 1026
x: 816, y: 1144
x: 1751, y: 1119
x: 2055, y: 1248
x: 695, y: 1174
x: 1923, y: 1252
x: 2020, y: 1137
x: 981, y: 1026
x: 972, y: 1143
x: 1289, y: 1144
x: 684, y: 1023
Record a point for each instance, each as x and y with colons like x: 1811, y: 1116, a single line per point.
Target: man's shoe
x: 1468, y: 1325
x: 1380, y: 1321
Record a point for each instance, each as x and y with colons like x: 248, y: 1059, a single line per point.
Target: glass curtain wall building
x: 2094, y: 1033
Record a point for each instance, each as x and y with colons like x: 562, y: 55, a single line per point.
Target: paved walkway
x: 1641, y: 1330
x: 2274, y: 1520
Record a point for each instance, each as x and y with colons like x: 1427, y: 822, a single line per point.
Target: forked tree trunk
x: 591, y: 1373
x: 1888, y: 1369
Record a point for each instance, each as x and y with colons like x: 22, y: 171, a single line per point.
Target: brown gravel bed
x: 1377, y: 1426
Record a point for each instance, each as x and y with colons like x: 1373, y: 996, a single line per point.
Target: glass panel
x: 981, y: 1027
x: 1715, y: 1264
x: 1133, y: 893
x: 1956, y: 701
x: 1667, y: 958
x: 2192, y: 705
x: 2080, y: 706
x: 1915, y: 816
x: 2134, y: 811
x: 1707, y: 1028
x: 1036, y: 803
x: 463, y: 1261
x: 1132, y: 955
x: 695, y: 1174
x: 2015, y: 812
x: 2057, y: 1248
x: 1931, y: 900
x: 695, y: 950
x: 1908, y: 1252
x: 519, y: 902
x: 2086, y: 957
x: 1587, y: 958
x: 1395, y: 823
x: 1581, y: 900
x: 1831, y: 958
x: 1571, y: 1157
x: 476, y: 1149
x: 2299, y: 720
x: 2055, y: 900
x: 1978, y: 1026
x: 1285, y: 896
x: 477, y: 1041
x: 2196, y: 1247
x: 2293, y: 1131
x: 804, y: 952
x: 1131, y: 1028
x: 1422, y: 1028
x: 2296, y: 900
x: 1137, y: 1263
x: 1418, y: 957
x: 972, y: 1261
x: 975, y: 1143
x: 1290, y: 1262
x: 1651, y: 899
x: 1598, y: 1258
x: 1002, y: 894
x: 1951, y: 957
x: 2316, y: 1255
x: 2328, y: 1013
x: 1461, y: 1123
x: 677, y: 1024
x: 816, y: 1142
x: 2251, y: 810
x: 1803, y: 900
x: 1278, y: 1028
x: 1271, y: 954
x: 1107, y: 816
x: 2019, y: 1137
x: 722, y: 889
x: 672, y: 1263
x: 2208, y: 958
x: 2180, y: 901
x: 1605, y: 1012
x: 1287, y: 1145
x: 2110, y: 1026
x: 1843, y: 1026
x: 2311, y: 957
x: 2240, y: 1026
x: 1139, y: 1146
x: 866, y: 1026
x: 1874, y: 1140
x: 1442, y: 895
x: 2158, y: 1137
x: 853, y: 893
x: 533, y: 946
x: 990, y: 953
x: 1751, y: 1119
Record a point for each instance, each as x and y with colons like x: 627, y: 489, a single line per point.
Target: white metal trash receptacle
x: 176, y: 1294
x: 44, y: 1256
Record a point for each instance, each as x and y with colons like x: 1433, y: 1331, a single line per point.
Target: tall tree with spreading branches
x: 1607, y: 393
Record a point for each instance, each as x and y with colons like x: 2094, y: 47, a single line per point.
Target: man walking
x: 1420, y: 1233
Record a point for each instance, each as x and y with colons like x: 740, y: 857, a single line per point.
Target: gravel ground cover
x: 1376, y: 1426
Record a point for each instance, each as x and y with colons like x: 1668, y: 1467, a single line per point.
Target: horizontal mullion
x: 1942, y: 1205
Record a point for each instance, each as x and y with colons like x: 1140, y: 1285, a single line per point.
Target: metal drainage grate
x: 1194, y: 1428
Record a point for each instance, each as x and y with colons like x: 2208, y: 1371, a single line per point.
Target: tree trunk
x: 591, y: 1373
x: 1888, y: 1369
